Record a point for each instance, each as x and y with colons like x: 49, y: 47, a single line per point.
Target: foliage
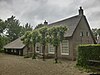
x: 96, y: 32
x: 43, y: 34
x: 35, y: 39
x: 2, y: 26
x: 27, y: 27
x: 56, y: 35
x: 3, y: 40
x: 24, y: 29
x: 13, y: 28
x: 27, y: 40
x: 39, y: 26
x: 88, y: 52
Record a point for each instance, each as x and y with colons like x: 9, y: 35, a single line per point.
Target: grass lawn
x: 18, y: 65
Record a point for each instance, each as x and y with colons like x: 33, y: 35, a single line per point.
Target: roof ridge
x: 66, y: 19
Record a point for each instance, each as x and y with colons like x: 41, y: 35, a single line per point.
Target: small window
x: 87, y: 33
x: 81, y: 33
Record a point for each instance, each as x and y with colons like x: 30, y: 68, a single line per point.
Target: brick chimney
x: 81, y: 12
x: 45, y: 22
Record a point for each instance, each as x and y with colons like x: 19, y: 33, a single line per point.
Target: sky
x: 36, y: 11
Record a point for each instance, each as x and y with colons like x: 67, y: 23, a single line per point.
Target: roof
x: 71, y: 24
x: 16, y: 44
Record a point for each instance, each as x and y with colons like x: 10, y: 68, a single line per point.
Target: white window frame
x: 87, y: 33
x: 12, y: 50
x: 81, y: 34
x: 61, y: 48
x: 49, y: 51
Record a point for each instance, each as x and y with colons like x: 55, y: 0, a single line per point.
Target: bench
x: 94, y: 64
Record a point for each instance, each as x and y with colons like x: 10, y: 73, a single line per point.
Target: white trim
x: 49, y: 51
x: 87, y: 34
x: 67, y: 42
x: 81, y: 34
x: 64, y: 53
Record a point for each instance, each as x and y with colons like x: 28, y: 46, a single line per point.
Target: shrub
x: 1, y: 50
x: 88, y: 52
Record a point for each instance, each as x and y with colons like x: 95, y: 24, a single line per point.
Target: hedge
x: 88, y: 52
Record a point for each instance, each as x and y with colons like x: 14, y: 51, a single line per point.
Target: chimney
x: 81, y: 11
x: 45, y: 22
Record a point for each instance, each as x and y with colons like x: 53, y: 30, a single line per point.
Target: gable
x: 83, y: 27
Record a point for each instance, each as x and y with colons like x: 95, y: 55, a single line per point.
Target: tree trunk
x: 56, y: 54
x: 28, y: 50
x: 43, y: 50
x: 34, y: 56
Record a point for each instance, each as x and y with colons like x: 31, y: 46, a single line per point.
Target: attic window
x: 87, y: 33
x: 81, y: 33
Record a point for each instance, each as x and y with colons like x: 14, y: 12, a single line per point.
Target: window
x: 81, y: 33
x: 11, y: 50
x: 65, y: 47
x: 87, y: 33
x: 38, y: 47
x: 51, y: 49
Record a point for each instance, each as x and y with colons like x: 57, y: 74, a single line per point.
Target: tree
x: 56, y: 35
x: 43, y: 34
x: 13, y: 28
x: 28, y: 27
x: 24, y: 29
x: 35, y: 39
x: 39, y: 26
x: 3, y: 41
x: 96, y: 32
x: 27, y: 40
x: 3, y: 38
x: 2, y: 26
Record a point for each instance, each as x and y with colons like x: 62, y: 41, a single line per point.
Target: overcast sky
x: 36, y: 11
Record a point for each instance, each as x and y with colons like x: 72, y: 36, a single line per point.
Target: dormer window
x: 81, y: 33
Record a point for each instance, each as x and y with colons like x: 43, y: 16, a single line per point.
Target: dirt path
x: 17, y: 65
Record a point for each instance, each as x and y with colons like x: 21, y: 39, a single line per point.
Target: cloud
x: 36, y: 11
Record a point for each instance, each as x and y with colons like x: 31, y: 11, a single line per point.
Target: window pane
x: 51, y: 49
x: 87, y: 34
x: 38, y: 47
x: 65, y: 47
x: 81, y: 33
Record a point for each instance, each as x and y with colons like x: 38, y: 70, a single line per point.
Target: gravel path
x: 17, y: 65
